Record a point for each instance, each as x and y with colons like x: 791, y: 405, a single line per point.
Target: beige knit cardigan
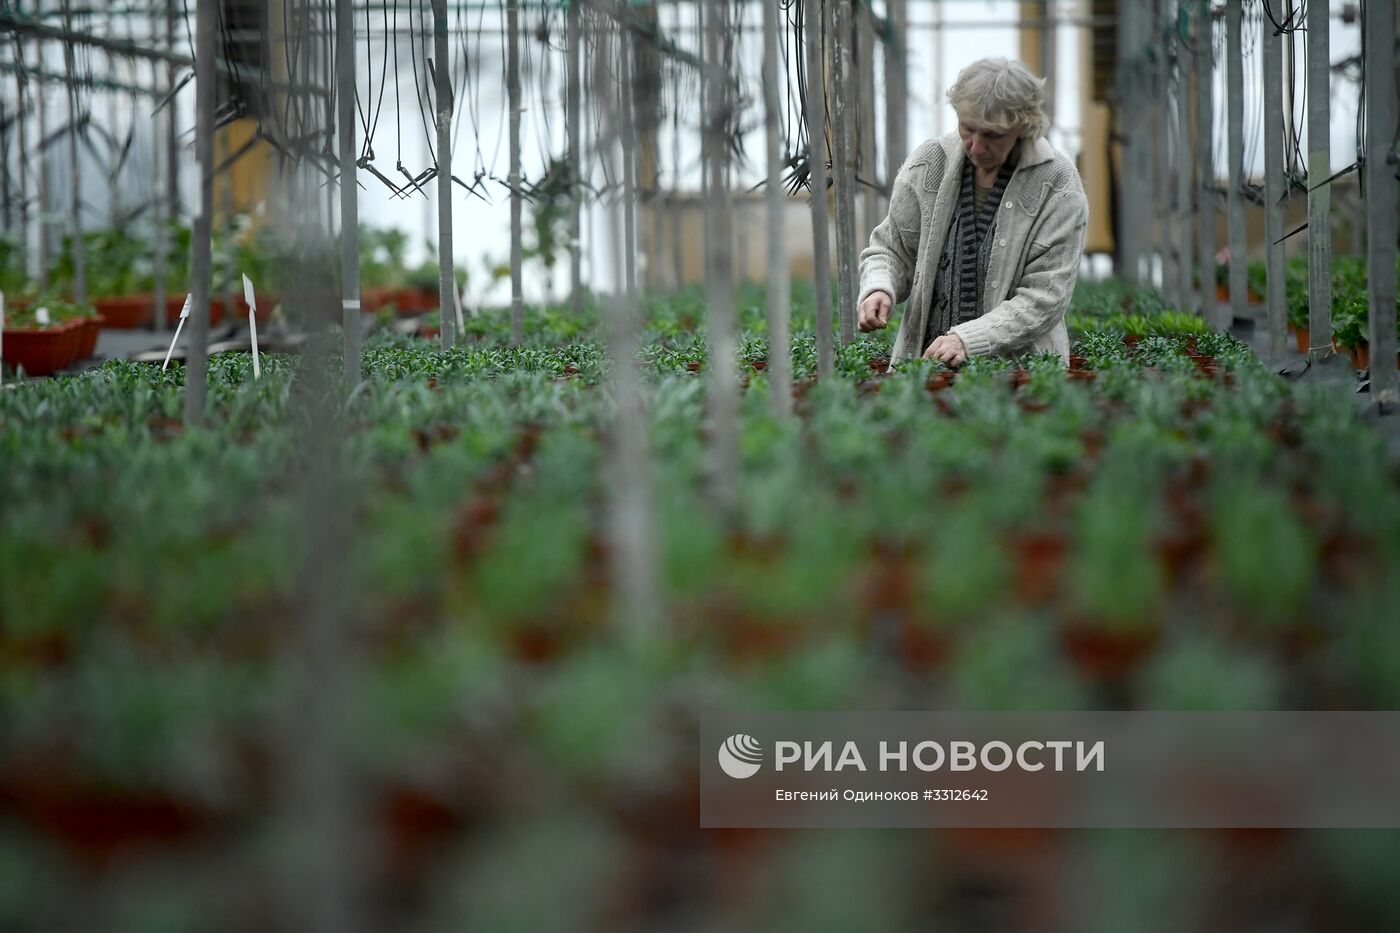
x: 1034, y: 260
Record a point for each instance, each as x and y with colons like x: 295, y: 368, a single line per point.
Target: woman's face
x: 987, y: 149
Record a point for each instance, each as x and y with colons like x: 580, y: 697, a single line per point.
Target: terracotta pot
x: 88, y: 344
x: 175, y: 304
x: 1107, y: 653
x: 43, y: 350
x: 1039, y: 558
x: 429, y: 333
x: 879, y: 365
x: 1303, y: 336
x: 1222, y: 293
x: 940, y: 381
x: 1081, y: 375
x: 413, y: 300
x: 1255, y: 298
x: 922, y: 647
x: 414, y: 824
x: 97, y: 823
x: 124, y: 312
x: 265, y: 305
x: 1077, y: 362
x: 1019, y: 377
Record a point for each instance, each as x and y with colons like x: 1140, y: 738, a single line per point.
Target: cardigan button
x: 1003, y: 242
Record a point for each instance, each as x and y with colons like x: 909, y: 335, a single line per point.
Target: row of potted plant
x: 1154, y: 537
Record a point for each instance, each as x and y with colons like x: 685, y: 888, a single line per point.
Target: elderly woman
x: 985, y: 230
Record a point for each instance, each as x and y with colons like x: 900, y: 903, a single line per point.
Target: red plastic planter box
x: 40, y: 351
x: 125, y: 312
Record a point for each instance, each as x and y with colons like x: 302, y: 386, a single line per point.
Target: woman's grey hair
x: 1002, y: 95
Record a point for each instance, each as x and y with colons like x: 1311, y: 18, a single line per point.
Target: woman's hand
x: 948, y: 349
x: 875, y: 311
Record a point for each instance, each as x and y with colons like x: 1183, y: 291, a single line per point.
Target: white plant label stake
x: 457, y: 303
x: 184, y: 314
x: 41, y: 315
x: 252, y: 323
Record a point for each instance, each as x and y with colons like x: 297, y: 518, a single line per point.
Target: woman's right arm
x: 887, y: 264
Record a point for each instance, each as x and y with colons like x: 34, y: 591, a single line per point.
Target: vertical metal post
x: 840, y: 40
x: 1129, y: 240
x: 442, y: 98
x: 1205, y: 164
x: 1381, y: 194
x: 1274, y: 190
x: 865, y: 122
x: 349, y: 188
x: 1161, y: 147
x: 1319, y: 195
x: 722, y: 400
x: 172, y: 143
x: 630, y: 513
x: 814, y: 108
x: 159, y: 200
x: 779, y: 283
x: 517, y: 281
x: 6, y: 196
x: 75, y: 179
x: 22, y: 162
x: 1184, y: 176
x: 896, y: 101
x: 1234, y: 104
x: 45, y: 181
x: 196, y: 356
x: 572, y: 105
x: 627, y: 127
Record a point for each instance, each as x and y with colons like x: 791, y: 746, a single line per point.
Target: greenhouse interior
x: 699, y: 465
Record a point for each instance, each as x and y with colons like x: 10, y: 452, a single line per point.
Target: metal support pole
x: 1185, y: 179
x: 1234, y: 203
x: 196, y: 356
x: 517, y: 281
x: 22, y: 164
x: 45, y: 181
x: 349, y: 189
x: 896, y: 93
x: 1274, y: 189
x: 779, y: 282
x: 814, y: 109
x: 159, y: 197
x: 1381, y: 194
x: 631, y: 525
x: 1205, y: 165
x: 442, y: 99
x: 722, y: 399
x: 75, y: 217
x: 1129, y: 231
x: 1161, y: 147
x: 628, y: 128
x: 865, y: 123
x: 572, y: 53
x: 172, y: 143
x: 1319, y: 195
x: 840, y: 40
